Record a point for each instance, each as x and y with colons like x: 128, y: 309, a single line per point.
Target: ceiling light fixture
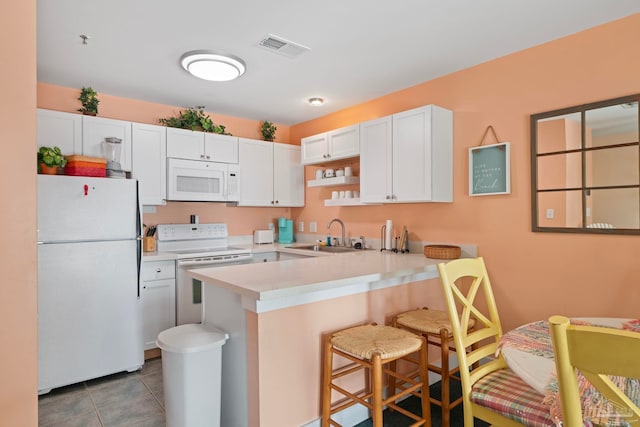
x: 316, y: 102
x: 213, y: 66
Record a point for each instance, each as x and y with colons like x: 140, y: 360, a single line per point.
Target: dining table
x: 528, y: 351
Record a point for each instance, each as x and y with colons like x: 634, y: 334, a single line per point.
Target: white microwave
x: 193, y: 180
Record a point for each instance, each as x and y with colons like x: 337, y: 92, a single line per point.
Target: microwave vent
x: 282, y: 46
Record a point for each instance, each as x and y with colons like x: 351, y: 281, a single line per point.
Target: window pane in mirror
x: 557, y: 171
x: 612, y: 166
x: 617, y: 124
x: 613, y: 208
x: 560, y: 209
x: 559, y: 133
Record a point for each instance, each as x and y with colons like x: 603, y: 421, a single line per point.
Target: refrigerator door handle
x: 139, y: 237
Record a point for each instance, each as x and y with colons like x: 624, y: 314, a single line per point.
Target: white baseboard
x: 357, y: 413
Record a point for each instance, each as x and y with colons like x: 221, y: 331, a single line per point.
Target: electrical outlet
x: 549, y: 213
x: 313, y: 227
x: 300, y: 226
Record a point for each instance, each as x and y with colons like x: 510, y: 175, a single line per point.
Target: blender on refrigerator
x: 111, y: 150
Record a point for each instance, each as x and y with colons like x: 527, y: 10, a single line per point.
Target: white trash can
x: 191, y: 373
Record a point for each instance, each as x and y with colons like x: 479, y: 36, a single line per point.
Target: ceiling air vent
x: 282, y: 46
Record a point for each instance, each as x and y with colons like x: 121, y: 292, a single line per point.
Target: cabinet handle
x: 324, y: 156
x: 202, y: 156
x: 272, y: 202
x: 208, y: 157
x: 277, y: 202
x: 158, y: 270
x: 388, y: 197
x: 328, y: 156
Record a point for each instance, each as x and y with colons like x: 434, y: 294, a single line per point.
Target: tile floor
x: 122, y: 400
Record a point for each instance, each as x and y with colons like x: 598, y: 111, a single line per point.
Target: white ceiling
x: 360, y: 49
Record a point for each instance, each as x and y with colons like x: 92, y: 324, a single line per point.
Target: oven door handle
x: 213, y: 261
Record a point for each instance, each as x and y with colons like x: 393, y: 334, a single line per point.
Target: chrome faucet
x: 339, y: 221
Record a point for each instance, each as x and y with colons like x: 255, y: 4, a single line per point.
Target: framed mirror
x: 585, y: 168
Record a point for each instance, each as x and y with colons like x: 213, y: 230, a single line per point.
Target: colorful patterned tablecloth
x: 528, y: 350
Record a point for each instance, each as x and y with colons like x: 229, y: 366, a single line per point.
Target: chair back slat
x: 596, y: 352
x: 466, y: 284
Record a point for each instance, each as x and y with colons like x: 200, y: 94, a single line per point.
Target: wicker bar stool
x: 369, y: 350
x: 435, y: 327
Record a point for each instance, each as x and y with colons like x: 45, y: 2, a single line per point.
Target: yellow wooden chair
x: 596, y: 352
x: 490, y: 390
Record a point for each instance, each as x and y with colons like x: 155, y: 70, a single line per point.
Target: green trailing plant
x: 89, y: 99
x: 268, y: 130
x: 194, y: 119
x: 51, y: 157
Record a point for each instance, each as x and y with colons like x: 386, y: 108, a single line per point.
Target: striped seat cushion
x: 504, y: 392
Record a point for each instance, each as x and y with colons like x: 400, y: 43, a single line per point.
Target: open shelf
x: 331, y: 182
x: 346, y: 202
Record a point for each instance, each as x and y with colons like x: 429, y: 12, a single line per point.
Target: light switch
x: 313, y: 227
x: 300, y: 226
x: 549, y: 213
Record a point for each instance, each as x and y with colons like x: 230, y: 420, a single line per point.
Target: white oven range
x: 196, y: 246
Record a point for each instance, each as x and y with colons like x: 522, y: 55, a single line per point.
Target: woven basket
x: 442, y: 251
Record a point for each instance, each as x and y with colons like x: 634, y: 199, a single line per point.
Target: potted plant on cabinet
x: 50, y: 159
x: 268, y: 130
x: 194, y: 119
x: 90, y: 101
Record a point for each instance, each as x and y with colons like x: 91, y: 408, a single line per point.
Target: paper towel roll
x: 388, y: 233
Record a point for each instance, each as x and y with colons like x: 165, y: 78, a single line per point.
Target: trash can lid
x: 191, y: 338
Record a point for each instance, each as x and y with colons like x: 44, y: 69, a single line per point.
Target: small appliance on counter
x: 285, y: 230
x: 262, y: 237
x: 112, y: 148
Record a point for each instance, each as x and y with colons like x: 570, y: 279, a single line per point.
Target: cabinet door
x: 256, y: 173
x: 422, y: 153
x: 58, y: 129
x: 158, y: 309
x: 344, y: 143
x: 288, y: 175
x: 314, y: 149
x: 150, y: 162
x: 221, y: 148
x: 96, y: 129
x: 376, y: 161
x: 185, y: 144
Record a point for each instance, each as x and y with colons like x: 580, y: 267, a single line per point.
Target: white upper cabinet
x: 96, y: 129
x: 58, y: 129
x: 193, y: 145
x: 376, y: 151
x: 150, y: 162
x: 333, y: 145
x: 409, y: 159
x: 288, y: 175
x: 78, y: 134
x: 270, y: 174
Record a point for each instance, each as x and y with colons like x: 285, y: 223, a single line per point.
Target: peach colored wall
x: 18, y: 287
x: 66, y: 99
x: 534, y: 274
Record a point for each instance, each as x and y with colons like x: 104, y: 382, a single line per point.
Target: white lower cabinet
x: 150, y: 162
x: 158, y: 299
x: 407, y: 157
x: 270, y: 174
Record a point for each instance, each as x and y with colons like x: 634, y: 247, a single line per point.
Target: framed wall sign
x: 489, y: 171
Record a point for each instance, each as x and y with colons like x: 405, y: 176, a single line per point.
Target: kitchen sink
x: 321, y: 248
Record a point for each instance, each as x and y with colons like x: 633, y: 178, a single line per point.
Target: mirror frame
x: 582, y: 109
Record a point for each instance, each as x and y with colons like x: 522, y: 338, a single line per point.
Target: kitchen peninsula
x: 276, y: 313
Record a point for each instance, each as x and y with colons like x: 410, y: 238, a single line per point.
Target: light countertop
x: 275, y: 285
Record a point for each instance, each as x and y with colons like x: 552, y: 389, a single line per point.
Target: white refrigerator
x: 89, y: 301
